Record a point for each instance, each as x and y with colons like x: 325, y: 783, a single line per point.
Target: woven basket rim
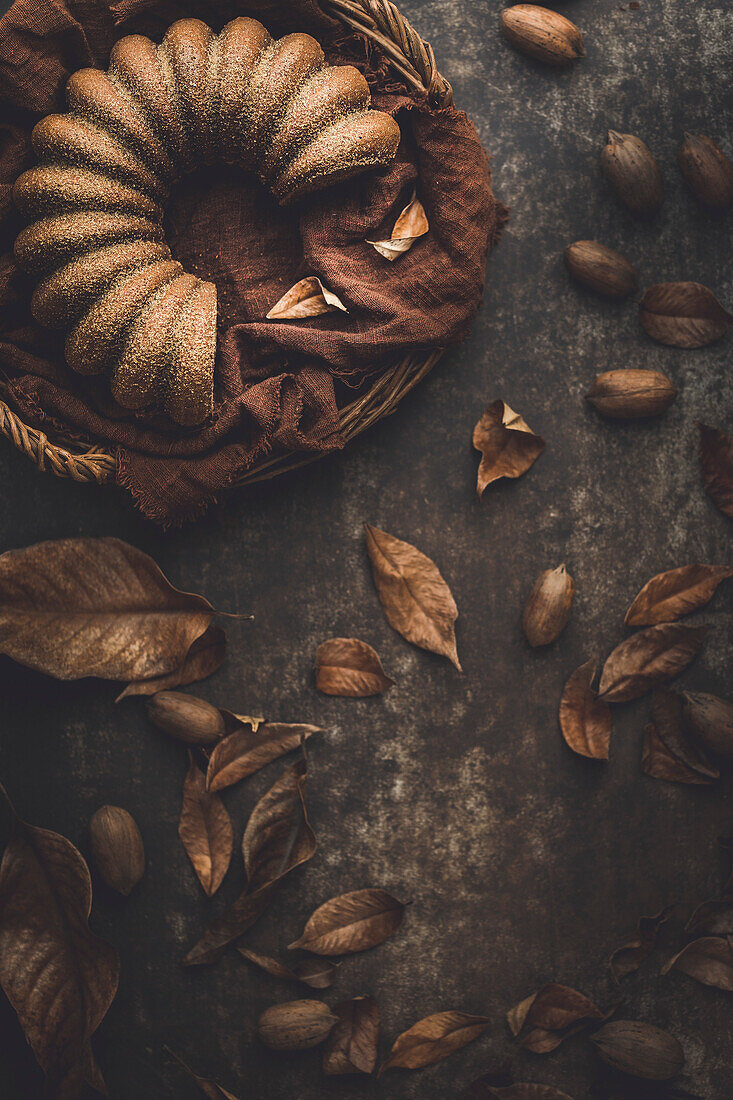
x: 414, y: 60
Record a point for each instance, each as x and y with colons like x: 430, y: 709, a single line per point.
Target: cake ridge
x: 106, y: 166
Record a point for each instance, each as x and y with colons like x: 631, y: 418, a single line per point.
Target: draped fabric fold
x: 278, y: 383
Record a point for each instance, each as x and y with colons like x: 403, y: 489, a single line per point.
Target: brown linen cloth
x: 277, y: 382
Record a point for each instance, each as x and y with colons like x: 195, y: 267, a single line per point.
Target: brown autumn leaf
x: 629, y: 957
x: 409, y: 227
x: 245, y: 751
x: 59, y: 977
x: 659, y: 763
x: 352, y: 1045
x: 550, y: 1016
x: 351, y: 668
x: 678, y: 592
x: 507, y: 444
x: 308, y: 298
x: 205, y: 656
x: 653, y: 655
x: 205, y: 829
x: 716, y: 464
x: 708, y: 960
x: 417, y: 602
x: 315, y: 973
x: 433, y: 1039
x: 671, y: 728
x: 209, y: 1088
x: 277, y: 839
x: 683, y: 315
x: 713, y: 917
x: 95, y: 607
x: 351, y: 922
x: 585, y: 720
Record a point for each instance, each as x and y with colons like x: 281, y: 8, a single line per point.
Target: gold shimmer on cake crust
x: 106, y: 168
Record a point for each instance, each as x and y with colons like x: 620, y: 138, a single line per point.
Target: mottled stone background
x: 523, y: 863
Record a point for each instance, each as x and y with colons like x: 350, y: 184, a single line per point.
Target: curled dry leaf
x: 672, y: 729
x: 507, y: 444
x: 209, y: 1088
x: 351, y: 922
x: 653, y: 655
x: 631, y: 394
x: 629, y: 957
x: 205, y: 656
x: 277, y: 839
x: 708, y: 960
x: 585, y: 720
x: 245, y: 751
x: 542, y: 34
x: 633, y: 174
x: 683, y: 315
x: 117, y: 848
x: 316, y: 973
x: 551, y: 1015
x: 409, y: 227
x: 59, y: 977
x: 308, y: 298
x: 707, y: 170
x: 349, y: 667
x: 352, y: 1045
x: 710, y: 721
x: 639, y: 1049
x: 296, y: 1025
x: 433, y: 1039
x: 716, y: 464
x: 658, y: 762
x: 95, y: 607
x: 416, y: 600
x: 678, y: 592
x: 600, y: 268
x: 205, y: 830
x: 713, y: 918
x: 548, y: 606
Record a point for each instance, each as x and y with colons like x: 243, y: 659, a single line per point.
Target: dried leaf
x: 716, y: 464
x: 639, y: 1049
x: 209, y: 1088
x: 416, y: 600
x: 712, y: 918
x: 348, y: 667
x: 658, y: 762
x: 708, y: 960
x: 670, y: 727
x: 352, y: 1045
x: 585, y: 720
x: 628, y: 958
x: 316, y: 973
x: 411, y: 225
x: 59, y: 977
x: 433, y: 1039
x: 507, y: 444
x: 95, y: 607
x: 277, y: 839
x: 308, y: 298
x: 710, y: 720
x: 678, y: 592
x: 683, y: 315
x: 205, y: 656
x: 205, y: 829
x: 653, y: 655
x: 245, y: 751
x: 351, y: 922
x: 551, y: 1015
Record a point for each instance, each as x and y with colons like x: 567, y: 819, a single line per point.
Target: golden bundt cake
x: 106, y: 168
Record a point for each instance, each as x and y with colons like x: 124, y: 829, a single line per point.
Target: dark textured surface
x: 523, y: 863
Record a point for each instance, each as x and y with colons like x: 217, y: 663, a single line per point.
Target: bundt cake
x: 106, y: 168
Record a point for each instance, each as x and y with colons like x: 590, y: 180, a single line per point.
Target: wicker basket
x: 414, y: 60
